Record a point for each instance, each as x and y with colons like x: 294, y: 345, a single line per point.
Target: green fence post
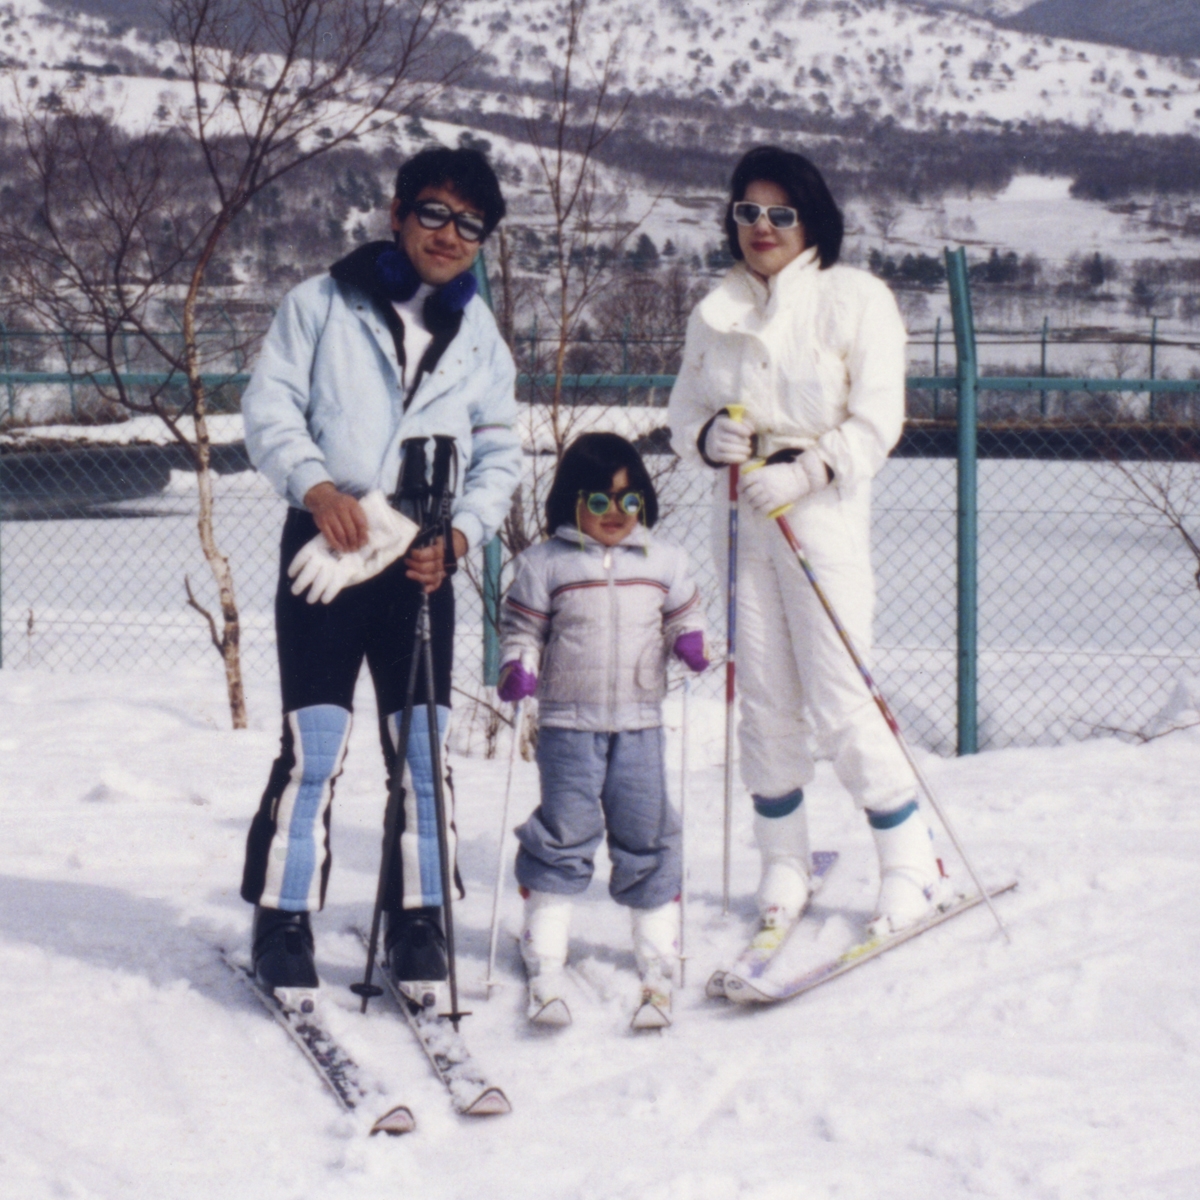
x: 1153, y: 363
x: 937, y: 366
x: 12, y: 392
x: 66, y: 344
x: 491, y: 612
x: 1045, y: 335
x: 968, y: 516
x: 492, y: 551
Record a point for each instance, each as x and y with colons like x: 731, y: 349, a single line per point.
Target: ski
x: 763, y: 991
x: 471, y: 1094
x: 554, y: 1014
x: 751, y: 961
x: 295, y: 1011
x: 654, y: 1012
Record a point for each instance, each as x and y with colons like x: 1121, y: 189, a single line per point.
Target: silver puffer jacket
x: 598, y: 623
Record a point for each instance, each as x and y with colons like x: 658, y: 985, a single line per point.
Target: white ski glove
x: 325, y: 572
x: 778, y: 485
x: 728, y: 441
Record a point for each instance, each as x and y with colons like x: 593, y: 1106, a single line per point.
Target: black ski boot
x: 283, y: 949
x: 416, y: 954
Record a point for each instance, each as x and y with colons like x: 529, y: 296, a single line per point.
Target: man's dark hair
x: 588, y: 465
x: 807, y: 193
x: 466, y: 171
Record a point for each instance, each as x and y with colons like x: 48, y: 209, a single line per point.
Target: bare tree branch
x: 113, y: 229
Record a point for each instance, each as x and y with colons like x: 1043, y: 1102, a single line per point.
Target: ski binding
x: 823, y: 861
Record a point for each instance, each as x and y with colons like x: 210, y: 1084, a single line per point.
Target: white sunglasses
x: 746, y: 212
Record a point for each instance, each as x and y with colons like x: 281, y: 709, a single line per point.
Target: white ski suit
x: 817, y: 359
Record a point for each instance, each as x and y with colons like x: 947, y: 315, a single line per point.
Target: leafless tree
x: 125, y: 224
x: 567, y: 132
x: 885, y: 216
x: 1165, y: 493
x: 1162, y: 495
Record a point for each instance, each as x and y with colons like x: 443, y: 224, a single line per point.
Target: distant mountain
x: 1169, y: 27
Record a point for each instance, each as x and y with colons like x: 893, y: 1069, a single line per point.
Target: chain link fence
x: 1088, y: 599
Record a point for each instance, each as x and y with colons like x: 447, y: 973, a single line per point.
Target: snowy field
x: 1060, y: 1067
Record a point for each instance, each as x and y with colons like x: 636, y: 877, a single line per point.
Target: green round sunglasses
x: 627, y: 501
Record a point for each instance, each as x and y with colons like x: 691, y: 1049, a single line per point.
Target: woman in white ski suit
x: 814, y: 353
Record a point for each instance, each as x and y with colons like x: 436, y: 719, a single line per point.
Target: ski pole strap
x: 445, y: 472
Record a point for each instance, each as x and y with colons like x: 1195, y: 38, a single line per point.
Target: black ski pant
x: 321, y: 648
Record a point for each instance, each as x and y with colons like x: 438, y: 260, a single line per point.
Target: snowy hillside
x: 871, y: 59
x: 1062, y: 1067
x: 1159, y: 26
x: 841, y: 58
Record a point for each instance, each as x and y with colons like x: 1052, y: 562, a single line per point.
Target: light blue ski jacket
x: 326, y: 403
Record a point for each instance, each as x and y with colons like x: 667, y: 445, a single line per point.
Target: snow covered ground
x: 1064, y: 1065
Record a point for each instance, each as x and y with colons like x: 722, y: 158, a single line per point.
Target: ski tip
x: 648, y: 1017
x: 714, y: 989
x: 491, y: 1102
x: 395, y: 1121
x: 742, y: 992
x: 554, y: 1015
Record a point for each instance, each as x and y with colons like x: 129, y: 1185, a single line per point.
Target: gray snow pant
x: 597, y: 781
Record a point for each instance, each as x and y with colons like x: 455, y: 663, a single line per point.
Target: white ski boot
x: 912, y: 884
x: 786, y: 885
x: 656, y: 948
x: 544, y: 938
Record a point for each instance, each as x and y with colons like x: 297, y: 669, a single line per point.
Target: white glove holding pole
x: 772, y: 487
x: 729, y: 440
x: 324, y: 572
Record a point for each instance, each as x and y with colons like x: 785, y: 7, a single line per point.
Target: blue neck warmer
x: 399, y: 281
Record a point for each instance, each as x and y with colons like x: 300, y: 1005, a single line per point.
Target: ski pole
x: 412, y: 488
x: 391, y: 820
x: 789, y: 535
x: 683, y: 838
x: 439, y: 804
x: 736, y: 413
x: 489, y: 982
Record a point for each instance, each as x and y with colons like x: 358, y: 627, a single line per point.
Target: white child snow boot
x: 544, y: 937
x: 912, y: 884
x: 656, y: 948
x: 785, y: 888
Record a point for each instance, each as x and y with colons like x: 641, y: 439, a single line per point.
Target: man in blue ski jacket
x: 391, y: 344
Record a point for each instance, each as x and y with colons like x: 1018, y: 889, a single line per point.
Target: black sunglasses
x: 433, y: 214
x: 746, y: 212
x: 628, y: 502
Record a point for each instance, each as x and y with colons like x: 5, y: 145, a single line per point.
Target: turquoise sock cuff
x: 779, y: 806
x: 889, y: 820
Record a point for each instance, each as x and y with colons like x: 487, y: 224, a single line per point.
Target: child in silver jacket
x: 592, y: 616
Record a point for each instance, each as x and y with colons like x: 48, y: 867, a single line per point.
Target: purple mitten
x: 515, y: 682
x: 690, y: 648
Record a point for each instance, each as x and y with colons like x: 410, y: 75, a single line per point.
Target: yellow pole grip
x: 753, y: 465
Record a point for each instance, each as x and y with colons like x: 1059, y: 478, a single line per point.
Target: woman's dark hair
x: 588, y: 465
x: 466, y: 171
x: 807, y: 193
